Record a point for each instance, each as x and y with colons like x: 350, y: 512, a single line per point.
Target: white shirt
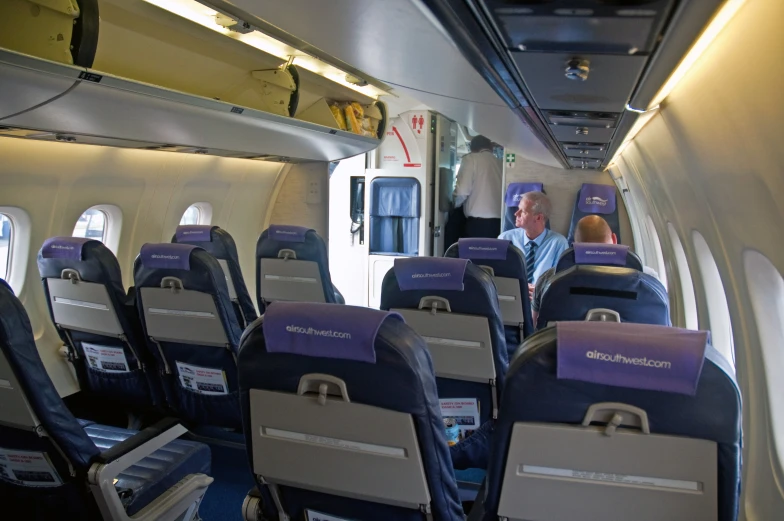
x: 479, y: 185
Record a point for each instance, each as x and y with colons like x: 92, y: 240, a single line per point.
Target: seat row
x: 341, y: 422
x: 172, y: 339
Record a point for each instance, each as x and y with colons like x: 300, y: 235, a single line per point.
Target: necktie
x: 529, y: 261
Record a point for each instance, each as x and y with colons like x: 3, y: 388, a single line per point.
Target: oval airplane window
x: 6, y: 236
x: 661, y: 268
x: 197, y: 213
x: 687, y: 285
x: 91, y: 225
x: 718, y: 310
x: 766, y: 289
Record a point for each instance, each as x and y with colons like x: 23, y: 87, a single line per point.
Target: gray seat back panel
x: 342, y: 448
x: 562, y: 473
x: 83, y: 306
x: 459, y: 344
x: 229, y: 281
x: 15, y: 411
x: 290, y: 279
x: 509, y: 300
x: 184, y: 316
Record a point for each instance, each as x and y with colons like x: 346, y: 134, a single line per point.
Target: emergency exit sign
x: 510, y: 160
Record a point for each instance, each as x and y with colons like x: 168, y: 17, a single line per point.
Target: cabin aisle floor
x: 223, y: 501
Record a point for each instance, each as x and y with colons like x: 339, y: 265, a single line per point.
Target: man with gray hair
x: 541, y: 247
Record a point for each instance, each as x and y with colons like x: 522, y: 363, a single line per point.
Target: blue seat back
x: 291, y: 252
x: 394, y: 216
x: 601, y: 279
x: 108, y: 349
x: 599, y: 200
x: 507, y: 261
x: 192, y: 329
x: 220, y: 244
x: 515, y: 192
x: 299, y: 355
x: 562, y: 371
x: 466, y: 340
x: 39, y: 427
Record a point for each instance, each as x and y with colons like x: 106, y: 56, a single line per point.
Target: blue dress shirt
x: 549, y: 247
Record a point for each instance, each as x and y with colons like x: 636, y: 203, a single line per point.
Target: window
x: 6, y: 230
x: 102, y: 223
x: 687, y: 285
x: 197, y: 213
x: 718, y: 310
x: 766, y: 289
x: 91, y: 225
x: 661, y: 268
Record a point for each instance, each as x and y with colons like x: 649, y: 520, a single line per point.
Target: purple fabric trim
x: 482, y: 248
x: 194, y: 233
x: 168, y: 256
x: 640, y: 356
x: 515, y: 191
x: 323, y: 330
x: 287, y: 233
x: 597, y: 199
x: 64, y: 248
x: 592, y: 253
x: 418, y: 273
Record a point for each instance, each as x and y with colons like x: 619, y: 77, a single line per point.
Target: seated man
x: 542, y: 247
x: 591, y: 229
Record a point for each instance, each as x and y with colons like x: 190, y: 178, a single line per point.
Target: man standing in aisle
x: 479, y: 187
x: 541, y: 247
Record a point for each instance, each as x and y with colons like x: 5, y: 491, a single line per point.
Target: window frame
x: 203, y: 215
x: 653, y: 235
x: 112, y: 225
x: 9, y: 252
x: 19, y: 246
x: 719, y: 318
x: 685, y: 280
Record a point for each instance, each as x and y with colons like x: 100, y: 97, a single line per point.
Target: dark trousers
x: 477, y: 227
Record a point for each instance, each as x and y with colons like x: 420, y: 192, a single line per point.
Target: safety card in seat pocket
x: 204, y: 380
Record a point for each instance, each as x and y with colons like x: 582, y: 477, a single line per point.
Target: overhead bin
x: 213, y: 83
x: 582, y: 134
x: 604, y: 82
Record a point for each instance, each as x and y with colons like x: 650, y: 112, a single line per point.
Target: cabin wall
x: 55, y: 182
x: 710, y: 161
x: 562, y: 187
x: 302, y: 197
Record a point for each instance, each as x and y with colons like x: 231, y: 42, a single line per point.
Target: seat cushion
x: 153, y: 475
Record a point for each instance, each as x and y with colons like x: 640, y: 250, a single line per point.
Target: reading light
x: 719, y: 21
x: 245, y: 33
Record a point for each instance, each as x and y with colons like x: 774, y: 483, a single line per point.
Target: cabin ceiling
x: 571, y: 71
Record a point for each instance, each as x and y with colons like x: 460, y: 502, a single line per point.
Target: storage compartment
x: 585, y: 150
x: 567, y: 133
x: 394, y: 216
x: 582, y: 119
x: 585, y: 163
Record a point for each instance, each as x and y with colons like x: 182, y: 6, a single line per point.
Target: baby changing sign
x: 203, y: 380
x: 27, y: 468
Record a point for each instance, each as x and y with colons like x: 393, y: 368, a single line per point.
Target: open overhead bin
x: 185, y: 80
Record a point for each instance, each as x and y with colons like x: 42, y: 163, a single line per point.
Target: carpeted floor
x: 233, y: 480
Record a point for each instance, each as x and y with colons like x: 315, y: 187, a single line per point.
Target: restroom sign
x: 510, y: 160
x: 417, y: 122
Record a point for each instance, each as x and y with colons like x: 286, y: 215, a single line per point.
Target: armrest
x: 137, y: 440
x: 478, y: 509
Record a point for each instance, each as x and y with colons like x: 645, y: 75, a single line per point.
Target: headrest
x: 515, y: 191
x: 482, y: 248
x: 194, y: 233
x: 597, y: 199
x: 640, y: 356
x: 170, y: 256
x: 417, y: 273
x: 323, y: 330
x: 287, y: 233
x: 592, y: 253
x: 64, y: 247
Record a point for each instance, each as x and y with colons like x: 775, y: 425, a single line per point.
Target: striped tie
x: 529, y: 261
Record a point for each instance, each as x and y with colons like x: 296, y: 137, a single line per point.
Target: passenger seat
x: 506, y: 264
x: 292, y: 264
x: 53, y: 466
x: 98, y: 322
x: 607, y: 421
x: 220, y: 244
x: 341, y: 418
x: 191, y: 327
x: 593, y: 281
